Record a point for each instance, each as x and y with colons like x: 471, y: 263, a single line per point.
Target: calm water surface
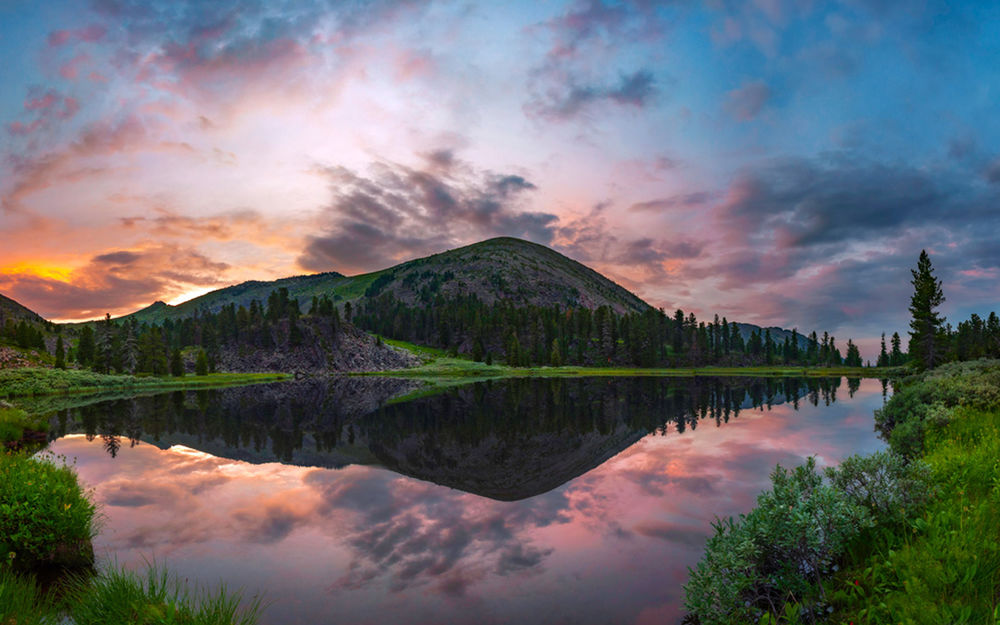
x: 527, y: 501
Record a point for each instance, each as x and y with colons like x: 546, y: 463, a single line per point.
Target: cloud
x: 46, y: 108
x: 684, y: 201
x: 400, y: 212
x: 993, y: 171
x: 416, y: 534
x: 672, y: 532
x: 566, y: 85
x: 746, y: 103
x: 565, y: 101
x: 88, y: 34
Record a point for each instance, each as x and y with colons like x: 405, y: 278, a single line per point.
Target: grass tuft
x: 22, y: 602
x: 127, y: 598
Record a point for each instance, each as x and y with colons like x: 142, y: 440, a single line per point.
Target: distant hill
x: 301, y: 287
x: 9, y: 309
x: 778, y: 334
x: 496, y: 269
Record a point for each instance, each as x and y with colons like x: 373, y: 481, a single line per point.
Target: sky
x: 780, y: 163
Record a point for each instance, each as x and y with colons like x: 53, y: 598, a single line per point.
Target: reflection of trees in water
x: 263, y: 418
x: 278, y: 417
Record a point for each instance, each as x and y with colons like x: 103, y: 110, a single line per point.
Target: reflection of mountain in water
x: 506, y: 440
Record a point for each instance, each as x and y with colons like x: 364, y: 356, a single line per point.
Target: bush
x: 776, y: 554
x: 884, y: 484
x: 125, y: 598
x: 45, y: 517
x: 926, y: 401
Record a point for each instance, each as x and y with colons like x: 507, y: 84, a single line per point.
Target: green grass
x: 46, y: 519
x: 22, y: 602
x: 943, y: 567
x: 126, y: 598
x: 31, y: 382
x: 438, y: 364
x: 444, y: 366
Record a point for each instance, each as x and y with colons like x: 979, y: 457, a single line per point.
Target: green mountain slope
x: 9, y: 309
x: 496, y: 269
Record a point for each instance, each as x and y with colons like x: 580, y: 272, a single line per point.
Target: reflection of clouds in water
x: 415, y: 533
x: 405, y: 532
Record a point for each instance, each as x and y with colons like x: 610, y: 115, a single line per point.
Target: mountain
x: 778, y: 334
x: 496, y: 269
x: 9, y: 309
x: 302, y: 287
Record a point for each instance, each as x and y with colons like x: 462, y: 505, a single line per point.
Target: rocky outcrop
x: 321, y: 349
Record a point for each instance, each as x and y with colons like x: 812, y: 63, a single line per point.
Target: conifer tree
x: 176, y: 364
x: 60, y: 354
x: 926, y: 349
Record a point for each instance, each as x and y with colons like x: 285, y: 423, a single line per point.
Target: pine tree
x: 853, y: 358
x: 926, y: 348
x: 896, y: 357
x: 85, y: 346
x: 176, y: 364
x: 201, y: 364
x: 129, y: 356
x: 555, y: 358
x: 883, y: 356
x: 60, y: 354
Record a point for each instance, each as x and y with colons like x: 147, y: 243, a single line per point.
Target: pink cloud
x: 88, y: 34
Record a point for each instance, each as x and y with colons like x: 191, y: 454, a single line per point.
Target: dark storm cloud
x: 403, y: 212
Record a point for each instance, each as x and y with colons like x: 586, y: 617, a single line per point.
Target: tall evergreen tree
x: 926, y: 348
x: 883, y: 355
x: 176, y: 364
x: 85, y: 346
x: 896, y: 357
x: 60, y: 354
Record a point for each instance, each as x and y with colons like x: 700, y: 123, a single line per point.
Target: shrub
x: 885, y: 484
x: 125, y: 598
x: 776, y: 554
x: 926, y: 401
x: 45, y: 517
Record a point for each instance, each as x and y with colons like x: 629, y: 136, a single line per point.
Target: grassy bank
x: 944, y: 566
x: 121, y: 597
x: 909, y: 535
x: 437, y: 367
x: 34, y: 382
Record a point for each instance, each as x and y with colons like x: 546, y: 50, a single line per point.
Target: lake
x: 529, y: 501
